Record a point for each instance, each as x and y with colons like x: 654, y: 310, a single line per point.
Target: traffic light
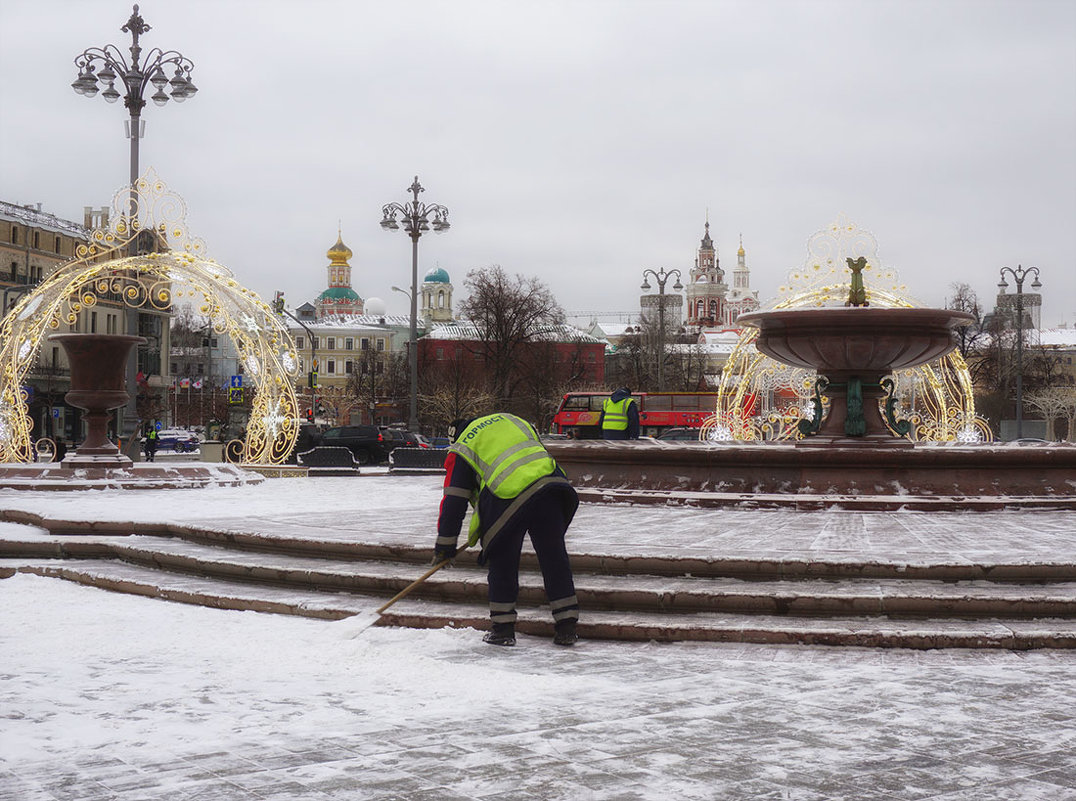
x: 312, y: 379
x: 278, y: 302
x: 310, y: 415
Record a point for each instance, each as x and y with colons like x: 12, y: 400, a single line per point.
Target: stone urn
x: 853, y: 349
x: 98, y: 385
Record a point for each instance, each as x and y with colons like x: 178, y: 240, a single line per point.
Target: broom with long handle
x: 358, y: 623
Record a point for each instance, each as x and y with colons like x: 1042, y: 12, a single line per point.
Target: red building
x: 560, y: 356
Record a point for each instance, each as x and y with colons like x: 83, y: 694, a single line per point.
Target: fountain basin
x: 856, y: 340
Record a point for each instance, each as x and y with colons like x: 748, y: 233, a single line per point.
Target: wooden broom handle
x: 407, y: 590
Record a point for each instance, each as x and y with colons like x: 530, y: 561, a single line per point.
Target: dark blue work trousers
x: 543, y: 519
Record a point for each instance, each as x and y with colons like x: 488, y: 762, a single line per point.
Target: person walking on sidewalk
x: 620, y: 416
x: 497, y: 465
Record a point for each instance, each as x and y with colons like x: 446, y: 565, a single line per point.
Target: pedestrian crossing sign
x: 235, y: 395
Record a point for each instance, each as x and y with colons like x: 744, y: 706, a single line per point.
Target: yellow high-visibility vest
x: 616, y: 414
x: 507, y: 456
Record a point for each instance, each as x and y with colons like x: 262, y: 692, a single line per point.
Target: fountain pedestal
x: 98, y: 385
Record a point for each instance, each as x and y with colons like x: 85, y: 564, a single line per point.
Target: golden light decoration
x: 760, y: 398
x: 101, y: 273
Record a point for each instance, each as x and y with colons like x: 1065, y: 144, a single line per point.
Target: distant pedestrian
x: 498, y: 465
x: 620, y: 416
x: 152, y: 440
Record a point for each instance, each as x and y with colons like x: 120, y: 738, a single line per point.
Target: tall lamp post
x: 1019, y: 274
x: 106, y: 65
x: 661, y: 276
x: 415, y: 218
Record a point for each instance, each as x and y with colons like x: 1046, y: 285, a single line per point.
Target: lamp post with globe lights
x: 415, y: 219
x: 107, y: 65
x: 1019, y: 274
x: 662, y: 276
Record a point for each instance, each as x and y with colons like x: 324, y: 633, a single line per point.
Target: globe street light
x: 106, y: 65
x: 1019, y: 274
x: 415, y: 219
x: 661, y: 277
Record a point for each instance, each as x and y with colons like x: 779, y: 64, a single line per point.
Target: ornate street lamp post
x: 1019, y: 274
x: 415, y: 219
x: 661, y: 277
x: 106, y: 65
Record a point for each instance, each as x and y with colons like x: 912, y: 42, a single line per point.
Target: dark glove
x: 443, y: 552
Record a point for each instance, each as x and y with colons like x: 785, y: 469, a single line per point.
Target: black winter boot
x: 565, y: 632
x: 501, y: 634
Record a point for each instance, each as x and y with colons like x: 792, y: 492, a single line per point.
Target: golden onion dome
x: 339, y: 253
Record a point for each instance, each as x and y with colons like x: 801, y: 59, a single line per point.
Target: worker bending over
x: 499, y: 467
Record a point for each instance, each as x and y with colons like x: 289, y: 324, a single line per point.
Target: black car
x: 369, y: 444
x: 401, y: 439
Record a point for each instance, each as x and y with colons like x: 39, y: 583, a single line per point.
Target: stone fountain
x: 854, y: 349
x: 850, y: 457
x: 98, y: 385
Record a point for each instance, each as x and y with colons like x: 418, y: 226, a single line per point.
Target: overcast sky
x: 580, y: 142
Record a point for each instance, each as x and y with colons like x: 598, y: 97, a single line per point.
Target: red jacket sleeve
x: 460, y: 482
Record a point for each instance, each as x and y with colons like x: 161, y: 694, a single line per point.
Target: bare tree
x: 508, y: 313
x: 1052, y: 403
x: 970, y: 337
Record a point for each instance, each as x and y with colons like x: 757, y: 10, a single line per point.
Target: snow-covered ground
x: 106, y: 696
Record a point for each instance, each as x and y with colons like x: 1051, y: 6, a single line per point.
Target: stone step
x: 650, y: 593
x: 660, y: 627
x: 80, y: 539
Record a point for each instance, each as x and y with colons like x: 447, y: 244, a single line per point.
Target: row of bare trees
x: 514, y: 359
x: 989, y: 346
x: 635, y: 364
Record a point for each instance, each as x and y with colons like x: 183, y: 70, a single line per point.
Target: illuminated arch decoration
x: 100, y: 272
x: 761, y: 399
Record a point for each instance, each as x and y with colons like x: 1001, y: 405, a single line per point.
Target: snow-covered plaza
x: 109, y: 696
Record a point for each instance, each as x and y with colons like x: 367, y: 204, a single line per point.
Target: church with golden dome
x: 338, y: 299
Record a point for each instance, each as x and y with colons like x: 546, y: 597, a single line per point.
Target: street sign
x: 56, y: 412
x: 237, y: 382
x: 235, y: 395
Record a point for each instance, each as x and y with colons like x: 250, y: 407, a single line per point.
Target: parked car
x: 679, y: 435
x: 369, y: 444
x: 175, y: 439
x: 440, y: 442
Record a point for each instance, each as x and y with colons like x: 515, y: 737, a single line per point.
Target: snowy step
x: 680, y: 595
x: 899, y: 597
x: 711, y: 627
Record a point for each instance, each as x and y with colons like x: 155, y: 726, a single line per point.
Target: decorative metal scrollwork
x: 899, y: 427
x: 102, y: 273
x: 814, y: 424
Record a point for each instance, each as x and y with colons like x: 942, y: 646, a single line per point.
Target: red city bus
x: 578, y: 412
